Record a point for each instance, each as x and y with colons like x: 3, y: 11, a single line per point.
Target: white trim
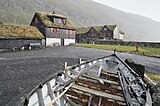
x: 53, y: 41
x: 68, y: 41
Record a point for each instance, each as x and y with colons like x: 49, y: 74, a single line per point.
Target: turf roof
x: 97, y: 28
x: 111, y: 27
x: 82, y: 30
x: 20, y: 31
x: 44, y: 17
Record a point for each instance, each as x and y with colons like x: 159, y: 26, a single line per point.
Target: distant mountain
x: 82, y: 13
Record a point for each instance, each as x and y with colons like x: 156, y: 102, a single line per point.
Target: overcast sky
x: 148, y: 8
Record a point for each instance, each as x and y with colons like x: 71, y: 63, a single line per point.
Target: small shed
x: 17, y: 36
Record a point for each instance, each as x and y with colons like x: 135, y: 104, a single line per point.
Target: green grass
x: 153, y: 76
x: 130, y: 49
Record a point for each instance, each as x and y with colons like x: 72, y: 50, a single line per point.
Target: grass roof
x: 44, y: 17
x: 111, y: 27
x: 43, y: 14
x: 97, y: 28
x: 21, y: 31
x: 82, y: 30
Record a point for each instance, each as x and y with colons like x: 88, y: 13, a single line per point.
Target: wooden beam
x: 98, y: 93
x: 98, y: 79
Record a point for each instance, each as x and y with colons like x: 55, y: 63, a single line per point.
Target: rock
x: 138, y: 68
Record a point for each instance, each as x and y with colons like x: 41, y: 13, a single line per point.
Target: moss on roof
x: 97, y: 28
x: 44, y: 17
x: 111, y: 27
x: 21, y: 31
x: 43, y: 14
x: 82, y: 30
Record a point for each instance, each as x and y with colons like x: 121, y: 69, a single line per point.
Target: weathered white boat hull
x: 99, y: 82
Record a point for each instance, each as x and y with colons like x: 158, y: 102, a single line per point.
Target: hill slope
x: 82, y: 13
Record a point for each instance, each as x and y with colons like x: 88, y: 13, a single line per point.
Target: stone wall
x: 11, y: 43
x: 130, y: 43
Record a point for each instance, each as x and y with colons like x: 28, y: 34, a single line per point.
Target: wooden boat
x: 105, y: 81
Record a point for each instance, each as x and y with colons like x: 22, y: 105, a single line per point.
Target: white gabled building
x: 118, y: 34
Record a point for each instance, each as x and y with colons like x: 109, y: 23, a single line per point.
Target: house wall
x: 121, y: 36
x: 116, y: 34
x: 87, y: 37
x: 59, y: 33
x: 58, y: 41
x: 105, y: 33
x: 68, y: 41
x: 53, y: 41
x: 55, y: 36
x: 43, y: 42
x: 11, y: 43
x: 92, y: 33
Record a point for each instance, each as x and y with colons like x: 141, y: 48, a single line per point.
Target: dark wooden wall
x: 92, y: 35
x: 61, y: 33
x: 106, y: 33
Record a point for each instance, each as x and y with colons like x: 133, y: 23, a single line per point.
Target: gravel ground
x: 21, y: 71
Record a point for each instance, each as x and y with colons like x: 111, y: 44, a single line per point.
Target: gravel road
x: 21, y: 71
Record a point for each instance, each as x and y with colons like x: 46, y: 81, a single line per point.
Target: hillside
x: 82, y: 13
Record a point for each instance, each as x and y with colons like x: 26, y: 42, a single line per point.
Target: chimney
x: 53, y: 12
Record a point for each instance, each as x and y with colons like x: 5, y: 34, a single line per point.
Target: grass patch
x: 130, y: 49
x: 153, y: 76
x: 20, y: 31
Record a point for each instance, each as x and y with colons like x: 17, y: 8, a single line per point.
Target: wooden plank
x: 111, y: 74
x: 59, y: 96
x: 104, y: 80
x: 98, y: 93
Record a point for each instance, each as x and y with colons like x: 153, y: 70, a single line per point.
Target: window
x: 109, y: 34
x: 105, y: 29
x: 92, y: 34
x: 67, y: 32
x: 56, y: 20
x: 57, y: 30
x: 59, y: 21
x: 100, y: 34
x: 70, y: 32
x: 104, y: 34
x: 92, y: 30
x: 36, y: 20
x: 51, y: 29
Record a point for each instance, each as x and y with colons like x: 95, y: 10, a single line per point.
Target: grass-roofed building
x: 91, y: 33
x: 56, y: 28
x: 17, y: 36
